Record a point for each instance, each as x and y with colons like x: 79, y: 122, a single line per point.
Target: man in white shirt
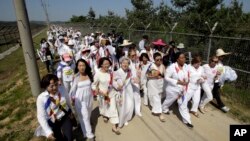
x: 142, y: 42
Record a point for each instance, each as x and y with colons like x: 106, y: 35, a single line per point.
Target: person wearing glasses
x: 211, y: 74
x: 135, y: 71
x: 155, y: 75
x: 218, y: 84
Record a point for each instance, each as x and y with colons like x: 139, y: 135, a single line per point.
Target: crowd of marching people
x: 118, y: 73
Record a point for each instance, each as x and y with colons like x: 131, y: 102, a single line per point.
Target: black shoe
x: 189, y: 125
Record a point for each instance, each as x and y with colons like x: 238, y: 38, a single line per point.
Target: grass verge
x: 17, y: 106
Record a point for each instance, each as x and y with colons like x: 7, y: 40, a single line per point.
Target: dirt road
x: 211, y: 126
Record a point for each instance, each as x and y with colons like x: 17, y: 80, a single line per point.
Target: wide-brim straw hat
x: 181, y: 45
x: 126, y: 43
x: 220, y: 52
x: 159, y: 42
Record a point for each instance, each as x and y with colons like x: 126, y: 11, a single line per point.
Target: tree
x: 143, y: 13
x: 75, y: 19
x: 91, y: 14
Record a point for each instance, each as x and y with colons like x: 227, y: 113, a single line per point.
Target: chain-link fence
x: 204, y: 45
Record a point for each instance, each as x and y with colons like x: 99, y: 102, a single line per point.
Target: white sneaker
x: 168, y: 112
x: 225, y: 109
x: 126, y: 123
x: 140, y: 115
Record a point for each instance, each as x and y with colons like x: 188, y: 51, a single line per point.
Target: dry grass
x: 17, y: 106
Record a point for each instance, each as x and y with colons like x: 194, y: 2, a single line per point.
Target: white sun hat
x: 181, y: 45
x: 126, y: 43
x: 220, y: 52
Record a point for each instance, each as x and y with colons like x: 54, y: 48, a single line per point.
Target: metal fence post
x: 210, y: 38
x: 129, y: 29
x: 209, y: 47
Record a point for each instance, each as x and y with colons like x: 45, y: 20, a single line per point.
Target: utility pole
x: 45, y: 9
x: 27, y: 45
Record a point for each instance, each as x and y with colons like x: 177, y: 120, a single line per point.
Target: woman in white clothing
x: 82, y: 97
x: 103, y: 87
x: 177, y: 81
x: 134, y: 67
x: 144, y: 67
x: 196, y: 78
x: 155, y: 75
x: 125, y: 98
x: 211, y: 73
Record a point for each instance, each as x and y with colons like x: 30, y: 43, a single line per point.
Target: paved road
x: 212, y: 126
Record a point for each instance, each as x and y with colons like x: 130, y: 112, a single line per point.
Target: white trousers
x: 170, y: 98
x: 196, y: 95
x: 183, y: 109
x: 145, y: 94
x: 67, y: 85
x: 207, y: 96
x: 84, y: 114
x: 154, y: 95
x: 137, y: 99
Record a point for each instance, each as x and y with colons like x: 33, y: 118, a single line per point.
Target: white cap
x: 70, y: 42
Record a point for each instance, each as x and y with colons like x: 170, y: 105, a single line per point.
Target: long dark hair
x: 87, y: 69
